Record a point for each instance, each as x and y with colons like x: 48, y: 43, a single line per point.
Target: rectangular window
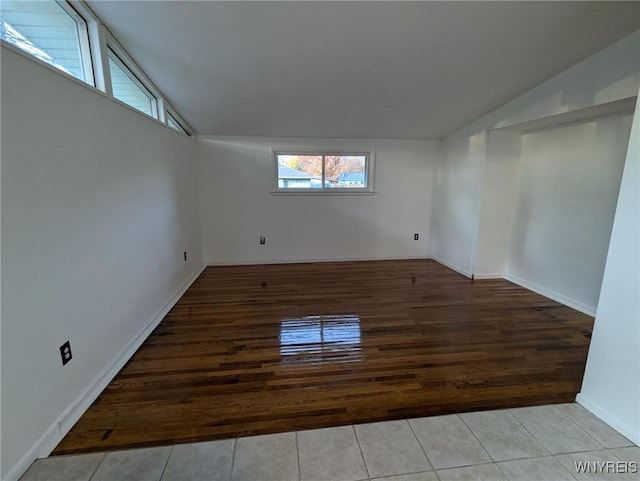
x: 127, y: 88
x: 175, y: 125
x: 50, y: 31
x: 329, y: 172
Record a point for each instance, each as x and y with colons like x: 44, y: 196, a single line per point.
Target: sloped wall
x: 98, y: 205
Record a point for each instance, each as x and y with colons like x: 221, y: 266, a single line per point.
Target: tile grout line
x: 166, y: 463
x: 574, y: 476
x: 586, y: 452
x: 582, y: 451
x: 475, y: 437
x: 501, y: 470
x: 364, y: 461
x: 555, y: 455
x: 479, y: 464
x: 233, y: 458
x: 401, y: 474
x: 552, y: 456
x: 581, y: 427
x: 433, y: 467
x: 541, y: 443
x: 98, y: 466
x: 529, y: 432
x: 298, y: 456
x: 490, y: 463
x: 549, y: 453
x: 616, y: 456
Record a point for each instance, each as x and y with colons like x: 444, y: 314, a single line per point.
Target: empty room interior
x: 225, y: 223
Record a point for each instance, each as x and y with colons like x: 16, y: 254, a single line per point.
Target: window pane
x: 125, y: 89
x: 299, y: 171
x: 346, y: 171
x: 173, y: 123
x: 46, y: 31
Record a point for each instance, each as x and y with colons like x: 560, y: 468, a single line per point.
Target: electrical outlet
x: 263, y: 240
x: 416, y: 236
x: 185, y: 255
x: 65, y: 352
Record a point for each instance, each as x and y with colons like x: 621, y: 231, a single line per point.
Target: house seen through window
x: 128, y: 89
x: 66, y: 36
x: 50, y: 31
x: 311, y: 171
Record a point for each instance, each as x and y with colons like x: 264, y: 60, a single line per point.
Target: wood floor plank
x: 271, y: 348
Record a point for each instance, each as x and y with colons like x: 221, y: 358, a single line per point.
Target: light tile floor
x: 541, y: 443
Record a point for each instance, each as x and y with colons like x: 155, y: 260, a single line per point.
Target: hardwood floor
x: 264, y: 349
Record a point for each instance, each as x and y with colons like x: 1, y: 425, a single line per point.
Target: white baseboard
x: 459, y: 270
x: 308, y: 261
x: 610, y: 418
x: 556, y: 296
x: 61, y: 426
x: 488, y: 276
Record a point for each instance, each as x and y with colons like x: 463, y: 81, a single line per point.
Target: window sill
x: 327, y: 193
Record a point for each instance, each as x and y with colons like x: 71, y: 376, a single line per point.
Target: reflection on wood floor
x: 264, y: 349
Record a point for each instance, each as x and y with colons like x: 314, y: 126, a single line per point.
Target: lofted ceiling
x: 406, y: 70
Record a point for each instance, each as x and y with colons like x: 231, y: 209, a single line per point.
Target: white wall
x: 499, y: 189
x: 236, y: 179
x: 457, y: 202
x: 610, y: 75
x: 568, y: 187
x: 611, y: 385
x: 98, y: 205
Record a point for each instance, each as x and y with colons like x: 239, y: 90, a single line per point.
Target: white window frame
x: 83, y: 40
x: 97, y: 45
x: 322, y: 190
x: 128, y: 66
x: 94, y: 51
x: 171, y: 112
x: 84, y: 46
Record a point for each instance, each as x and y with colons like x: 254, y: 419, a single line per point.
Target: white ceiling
x: 408, y: 70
